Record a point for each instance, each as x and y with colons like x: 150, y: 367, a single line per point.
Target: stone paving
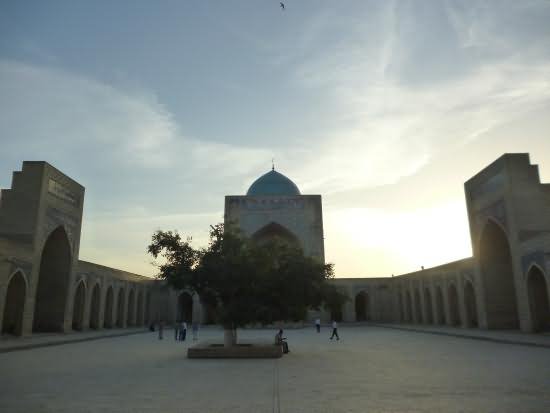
x: 371, y: 369
x: 10, y: 343
x: 499, y: 336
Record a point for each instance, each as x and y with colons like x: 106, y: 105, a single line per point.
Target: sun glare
x: 426, y: 237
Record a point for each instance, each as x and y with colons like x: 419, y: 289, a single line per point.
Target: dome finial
x: 272, y: 164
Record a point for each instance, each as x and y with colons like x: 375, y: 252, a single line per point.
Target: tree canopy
x: 244, y: 281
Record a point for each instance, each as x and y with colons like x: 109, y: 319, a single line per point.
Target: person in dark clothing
x: 161, y: 329
x: 281, y: 341
x: 334, y: 330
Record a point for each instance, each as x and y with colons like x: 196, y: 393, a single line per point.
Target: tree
x: 244, y: 281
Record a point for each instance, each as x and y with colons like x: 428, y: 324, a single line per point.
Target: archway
x: 498, y: 278
x: 185, y: 307
x: 428, y: 306
x: 336, y: 314
x: 148, y: 317
x: 12, y: 321
x: 120, y: 308
x: 139, y: 318
x: 538, y: 299
x: 439, y: 306
x: 130, y: 320
x: 94, y: 307
x: 108, y: 315
x: 401, y: 309
x: 470, y: 304
x: 409, y: 307
x: 53, y: 283
x: 275, y: 231
x: 454, y: 315
x: 362, y: 306
x: 418, y: 307
x: 78, y: 306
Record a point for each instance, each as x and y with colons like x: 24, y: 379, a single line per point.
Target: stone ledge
x: 239, y: 351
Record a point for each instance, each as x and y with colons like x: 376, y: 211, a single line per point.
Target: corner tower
x: 274, y: 207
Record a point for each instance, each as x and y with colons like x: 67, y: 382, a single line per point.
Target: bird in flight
x: 282, y: 5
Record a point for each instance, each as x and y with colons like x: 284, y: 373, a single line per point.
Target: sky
x: 385, y: 108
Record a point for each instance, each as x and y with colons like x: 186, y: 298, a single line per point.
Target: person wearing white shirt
x: 334, y: 330
x: 183, y: 330
x: 318, y: 324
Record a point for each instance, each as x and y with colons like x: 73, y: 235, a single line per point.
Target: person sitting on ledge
x: 281, y: 341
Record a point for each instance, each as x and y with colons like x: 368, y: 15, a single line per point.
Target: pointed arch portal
x: 108, y: 314
x: 130, y: 320
x: 120, y: 308
x: 497, y: 275
x: 418, y: 307
x: 470, y: 304
x: 139, y: 318
x: 12, y: 320
x: 401, y: 309
x: 94, y: 308
x: 78, y: 306
x: 275, y: 231
x: 53, y: 283
x: 409, y: 306
x: 454, y: 314
x: 428, y: 306
x: 538, y: 300
x: 439, y: 306
x: 148, y: 317
x: 362, y: 306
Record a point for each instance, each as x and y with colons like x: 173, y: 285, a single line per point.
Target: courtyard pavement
x: 499, y: 336
x: 371, y: 369
x: 10, y: 343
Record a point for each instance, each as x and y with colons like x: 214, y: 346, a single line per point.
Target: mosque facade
x: 505, y: 284
x: 274, y: 207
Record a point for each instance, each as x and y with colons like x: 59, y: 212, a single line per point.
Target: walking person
x: 183, y: 331
x: 318, y: 324
x: 176, y: 331
x: 161, y: 329
x: 334, y: 330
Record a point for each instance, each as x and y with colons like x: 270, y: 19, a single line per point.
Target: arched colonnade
x: 440, y: 302
x: 91, y: 302
x: 113, y: 305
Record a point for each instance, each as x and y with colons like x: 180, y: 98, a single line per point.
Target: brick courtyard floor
x: 371, y: 369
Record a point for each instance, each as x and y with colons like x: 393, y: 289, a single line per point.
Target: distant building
x: 274, y: 207
x: 44, y: 287
x: 506, y: 284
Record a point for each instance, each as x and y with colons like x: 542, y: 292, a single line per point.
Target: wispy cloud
x: 379, y: 106
x: 57, y: 112
x: 128, y: 150
x: 410, y: 81
x: 53, y: 111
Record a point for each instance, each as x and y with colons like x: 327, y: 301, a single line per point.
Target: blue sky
x: 385, y: 108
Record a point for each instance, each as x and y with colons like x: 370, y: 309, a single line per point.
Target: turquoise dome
x: 273, y: 183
